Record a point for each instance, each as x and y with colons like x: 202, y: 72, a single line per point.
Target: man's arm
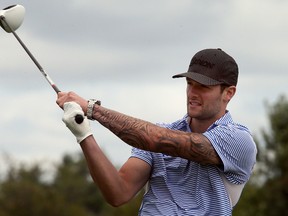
x: 147, y: 136
x: 150, y: 137
x: 117, y: 187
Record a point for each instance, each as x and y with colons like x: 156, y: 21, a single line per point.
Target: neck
x: 201, y: 125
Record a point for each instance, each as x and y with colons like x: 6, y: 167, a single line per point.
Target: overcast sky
x: 125, y: 53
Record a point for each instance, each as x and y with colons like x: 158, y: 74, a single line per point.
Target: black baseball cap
x: 212, y: 67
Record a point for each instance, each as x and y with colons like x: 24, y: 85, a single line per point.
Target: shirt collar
x: 224, y: 120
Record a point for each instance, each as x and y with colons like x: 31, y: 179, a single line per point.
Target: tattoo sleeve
x: 150, y: 137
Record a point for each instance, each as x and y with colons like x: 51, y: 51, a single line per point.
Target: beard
x: 204, y: 111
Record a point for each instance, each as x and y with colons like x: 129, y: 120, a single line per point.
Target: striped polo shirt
x: 178, y: 186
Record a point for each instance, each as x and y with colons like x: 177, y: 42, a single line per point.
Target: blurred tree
x: 73, y: 181
x: 129, y: 209
x: 267, y: 192
x: 72, y: 191
x: 23, y: 194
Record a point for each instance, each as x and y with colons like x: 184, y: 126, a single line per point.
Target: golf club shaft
x: 78, y: 118
x: 56, y: 89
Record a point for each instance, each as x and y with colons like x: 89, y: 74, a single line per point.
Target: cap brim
x: 198, y: 78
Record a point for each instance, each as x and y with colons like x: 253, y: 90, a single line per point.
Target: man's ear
x: 228, y: 93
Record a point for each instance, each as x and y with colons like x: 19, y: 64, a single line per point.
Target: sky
x: 125, y: 53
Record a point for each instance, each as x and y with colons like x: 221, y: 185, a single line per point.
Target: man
x: 197, y: 165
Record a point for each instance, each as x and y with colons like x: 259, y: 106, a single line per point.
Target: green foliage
x: 71, y: 191
x: 74, y: 183
x: 267, y: 192
x: 23, y: 192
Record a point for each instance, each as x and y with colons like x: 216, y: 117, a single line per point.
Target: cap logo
x: 202, y: 63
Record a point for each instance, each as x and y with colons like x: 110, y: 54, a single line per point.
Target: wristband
x: 91, y: 103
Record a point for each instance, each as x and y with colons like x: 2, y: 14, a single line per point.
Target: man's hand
x: 64, y: 97
x: 80, y: 131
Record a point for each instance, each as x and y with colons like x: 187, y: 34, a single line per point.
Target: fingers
x: 80, y: 130
x: 71, y: 106
x: 64, y: 97
x: 61, y: 99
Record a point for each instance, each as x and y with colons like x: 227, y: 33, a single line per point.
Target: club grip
x: 79, y: 119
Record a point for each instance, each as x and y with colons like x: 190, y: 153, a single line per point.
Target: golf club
x: 11, y: 18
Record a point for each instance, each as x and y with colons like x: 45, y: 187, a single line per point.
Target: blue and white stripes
x: 181, y: 187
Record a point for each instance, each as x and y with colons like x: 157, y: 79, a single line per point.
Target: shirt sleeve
x: 237, y: 150
x: 143, y: 155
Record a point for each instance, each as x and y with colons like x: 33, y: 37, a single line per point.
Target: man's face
x: 204, y: 102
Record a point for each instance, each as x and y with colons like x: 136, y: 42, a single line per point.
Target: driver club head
x: 10, y: 19
x: 13, y: 15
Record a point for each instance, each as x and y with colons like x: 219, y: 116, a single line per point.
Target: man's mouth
x: 194, y: 103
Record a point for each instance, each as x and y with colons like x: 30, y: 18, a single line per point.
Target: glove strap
x: 91, y: 103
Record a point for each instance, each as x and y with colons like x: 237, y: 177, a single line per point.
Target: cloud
x: 124, y: 53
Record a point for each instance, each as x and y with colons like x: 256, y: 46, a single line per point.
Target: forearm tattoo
x: 150, y: 137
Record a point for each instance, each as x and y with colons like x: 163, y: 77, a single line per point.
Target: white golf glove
x: 80, y: 131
